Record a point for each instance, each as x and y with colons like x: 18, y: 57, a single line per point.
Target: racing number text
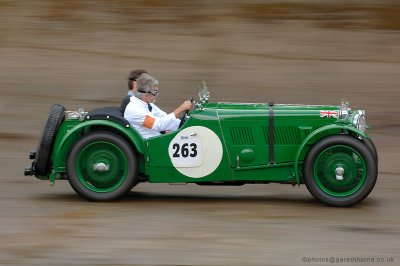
x: 184, y: 151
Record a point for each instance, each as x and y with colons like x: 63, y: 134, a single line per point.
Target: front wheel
x: 102, y: 166
x: 340, y: 170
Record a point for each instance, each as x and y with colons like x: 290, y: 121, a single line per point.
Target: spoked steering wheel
x: 185, y: 114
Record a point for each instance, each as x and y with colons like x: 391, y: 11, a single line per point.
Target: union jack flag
x: 328, y: 114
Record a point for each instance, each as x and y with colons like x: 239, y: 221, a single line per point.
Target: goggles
x: 152, y: 92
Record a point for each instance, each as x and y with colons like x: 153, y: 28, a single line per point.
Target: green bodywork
x: 242, y: 129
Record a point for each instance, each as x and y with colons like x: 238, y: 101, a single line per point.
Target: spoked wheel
x: 340, y: 170
x: 102, y: 166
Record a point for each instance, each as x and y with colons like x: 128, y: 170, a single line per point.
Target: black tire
x: 370, y: 144
x: 45, y: 148
x: 362, y: 189
x: 93, y: 185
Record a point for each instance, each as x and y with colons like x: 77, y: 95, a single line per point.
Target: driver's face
x: 151, y: 97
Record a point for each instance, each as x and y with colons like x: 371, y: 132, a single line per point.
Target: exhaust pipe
x: 31, y: 170
x: 32, y: 155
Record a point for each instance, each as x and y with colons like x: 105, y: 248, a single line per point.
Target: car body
x: 103, y: 157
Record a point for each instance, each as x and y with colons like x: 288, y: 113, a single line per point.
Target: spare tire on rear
x: 43, y: 154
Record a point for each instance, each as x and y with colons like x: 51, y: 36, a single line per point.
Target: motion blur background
x: 78, y: 54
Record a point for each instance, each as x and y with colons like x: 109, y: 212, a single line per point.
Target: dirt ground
x: 79, y: 55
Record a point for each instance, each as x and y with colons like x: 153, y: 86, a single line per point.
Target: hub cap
x: 339, y: 171
x: 101, y: 166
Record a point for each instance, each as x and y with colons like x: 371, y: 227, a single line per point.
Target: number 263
x: 184, y: 151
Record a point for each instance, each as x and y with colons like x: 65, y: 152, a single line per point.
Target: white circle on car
x: 195, y: 151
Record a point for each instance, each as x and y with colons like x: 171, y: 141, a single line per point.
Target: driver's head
x: 147, y: 88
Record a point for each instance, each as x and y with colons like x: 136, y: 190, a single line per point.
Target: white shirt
x: 149, y: 124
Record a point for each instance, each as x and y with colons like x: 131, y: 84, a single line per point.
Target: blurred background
x: 78, y: 53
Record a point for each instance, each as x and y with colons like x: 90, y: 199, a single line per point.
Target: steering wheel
x: 185, y: 114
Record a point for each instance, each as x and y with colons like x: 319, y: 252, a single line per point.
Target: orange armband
x: 149, y: 121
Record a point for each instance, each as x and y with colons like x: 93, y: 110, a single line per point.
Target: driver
x: 145, y: 116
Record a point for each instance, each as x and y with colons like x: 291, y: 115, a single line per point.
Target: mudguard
x: 66, y: 139
x: 325, y: 129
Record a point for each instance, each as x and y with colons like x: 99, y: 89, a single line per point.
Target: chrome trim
x: 344, y: 110
x: 359, y: 120
x: 74, y: 115
x: 339, y: 173
x: 101, y: 167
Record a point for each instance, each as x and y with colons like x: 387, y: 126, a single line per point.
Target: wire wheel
x: 102, y: 166
x: 340, y: 170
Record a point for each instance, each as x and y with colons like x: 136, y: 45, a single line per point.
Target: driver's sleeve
x: 156, y: 111
x: 168, y: 122
x: 147, y: 122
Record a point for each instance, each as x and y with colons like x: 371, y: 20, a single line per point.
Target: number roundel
x: 195, y: 151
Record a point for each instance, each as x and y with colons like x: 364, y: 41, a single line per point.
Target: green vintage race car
x: 103, y: 157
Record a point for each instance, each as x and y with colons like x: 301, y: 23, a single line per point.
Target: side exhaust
x: 31, y: 170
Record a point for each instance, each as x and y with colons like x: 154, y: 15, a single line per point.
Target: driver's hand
x: 186, y: 105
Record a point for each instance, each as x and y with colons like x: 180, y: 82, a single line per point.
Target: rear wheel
x: 102, y: 166
x: 340, y: 170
